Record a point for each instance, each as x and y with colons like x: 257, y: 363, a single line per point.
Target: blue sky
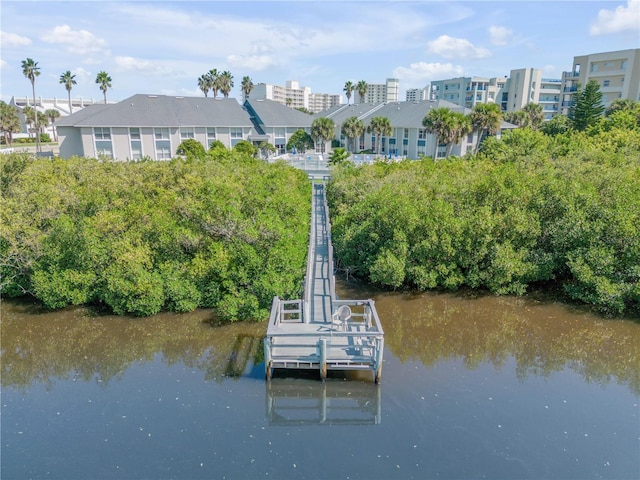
x: 162, y: 47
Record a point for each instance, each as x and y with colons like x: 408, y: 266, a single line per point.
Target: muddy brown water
x: 472, y: 387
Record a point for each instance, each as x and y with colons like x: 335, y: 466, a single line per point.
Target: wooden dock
x: 319, y: 331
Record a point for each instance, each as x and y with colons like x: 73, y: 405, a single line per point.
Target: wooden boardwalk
x: 319, y: 331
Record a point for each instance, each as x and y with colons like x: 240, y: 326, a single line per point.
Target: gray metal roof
x: 274, y: 114
x: 161, y: 111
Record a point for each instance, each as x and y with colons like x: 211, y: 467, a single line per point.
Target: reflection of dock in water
x: 320, y: 332
x: 295, y: 402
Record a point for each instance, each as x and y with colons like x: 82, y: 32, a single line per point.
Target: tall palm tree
x: 381, y: 127
x: 226, y: 83
x: 52, y: 114
x: 68, y: 80
x: 485, y: 119
x: 247, y: 86
x: 361, y: 88
x: 104, y: 80
x: 322, y: 130
x: 213, y: 78
x: 348, y: 89
x: 31, y: 70
x: 204, y: 84
x: 353, y: 128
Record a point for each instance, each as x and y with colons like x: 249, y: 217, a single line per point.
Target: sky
x: 162, y: 47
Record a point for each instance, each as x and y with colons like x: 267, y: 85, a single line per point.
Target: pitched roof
x: 161, y: 111
x: 274, y: 114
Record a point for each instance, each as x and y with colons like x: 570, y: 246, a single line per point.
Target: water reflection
x: 542, y: 338
x: 303, y: 402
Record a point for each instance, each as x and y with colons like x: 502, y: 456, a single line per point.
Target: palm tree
x: 448, y: 126
x: 9, y: 121
x: 213, y: 79
x: 353, y: 128
x: 68, y: 80
x: 52, y: 114
x: 31, y: 70
x: 204, y: 84
x: 29, y: 118
x: 247, y: 86
x: 349, y: 87
x: 288, y: 101
x: 535, y: 115
x: 104, y: 80
x: 322, y: 130
x: 361, y: 88
x: 226, y: 83
x: 485, y: 119
x: 381, y: 127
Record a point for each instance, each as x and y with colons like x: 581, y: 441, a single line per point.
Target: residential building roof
x: 275, y: 114
x: 161, y: 111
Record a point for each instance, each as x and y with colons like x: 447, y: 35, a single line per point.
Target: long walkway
x: 322, y: 284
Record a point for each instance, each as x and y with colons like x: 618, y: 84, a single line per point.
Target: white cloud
x: 80, y: 42
x: 422, y: 72
x: 621, y: 19
x: 145, y: 67
x: 252, y: 62
x: 451, y: 47
x: 13, y: 40
x: 500, y: 35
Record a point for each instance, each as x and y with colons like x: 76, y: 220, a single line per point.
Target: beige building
x: 617, y: 73
x: 294, y: 96
x: 527, y: 85
x: 380, y: 92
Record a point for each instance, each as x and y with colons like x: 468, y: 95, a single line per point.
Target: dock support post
x: 267, y: 358
x: 322, y: 347
x: 378, y: 363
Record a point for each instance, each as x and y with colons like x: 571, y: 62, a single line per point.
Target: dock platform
x: 320, y: 331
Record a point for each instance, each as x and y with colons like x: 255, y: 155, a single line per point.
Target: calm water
x: 472, y: 388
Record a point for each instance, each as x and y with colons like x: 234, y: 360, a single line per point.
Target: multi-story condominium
x: 416, y: 95
x: 527, y: 85
x: 291, y: 95
x: 380, y: 92
x: 294, y: 96
x: 617, y: 73
x: 468, y: 91
x: 322, y: 101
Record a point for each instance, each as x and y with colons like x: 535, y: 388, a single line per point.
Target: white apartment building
x: 527, y: 85
x: 468, y: 91
x: 380, y: 92
x: 617, y: 73
x: 323, y: 101
x: 294, y: 96
x: 512, y: 93
x: 416, y: 94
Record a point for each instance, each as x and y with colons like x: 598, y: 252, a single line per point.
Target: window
x: 211, y: 135
x: 187, y: 133
x: 135, y: 143
x: 422, y: 133
x: 163, y: 143
x: 236, y: 132
x: 605, y: 83
x: 594, y: 67
x: 102, y: 137
x: 623, y: 65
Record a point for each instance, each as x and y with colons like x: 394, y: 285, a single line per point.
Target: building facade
x: 468, y: 91
x: 380, y: 92
x: 416, y: 95
x: 617, y: 73
x: 294, y: 96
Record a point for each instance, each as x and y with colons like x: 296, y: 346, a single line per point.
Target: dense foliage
x: 529, y: 209
x: 145, y: 236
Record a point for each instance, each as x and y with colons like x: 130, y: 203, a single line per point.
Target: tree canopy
x: 587, y: 106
